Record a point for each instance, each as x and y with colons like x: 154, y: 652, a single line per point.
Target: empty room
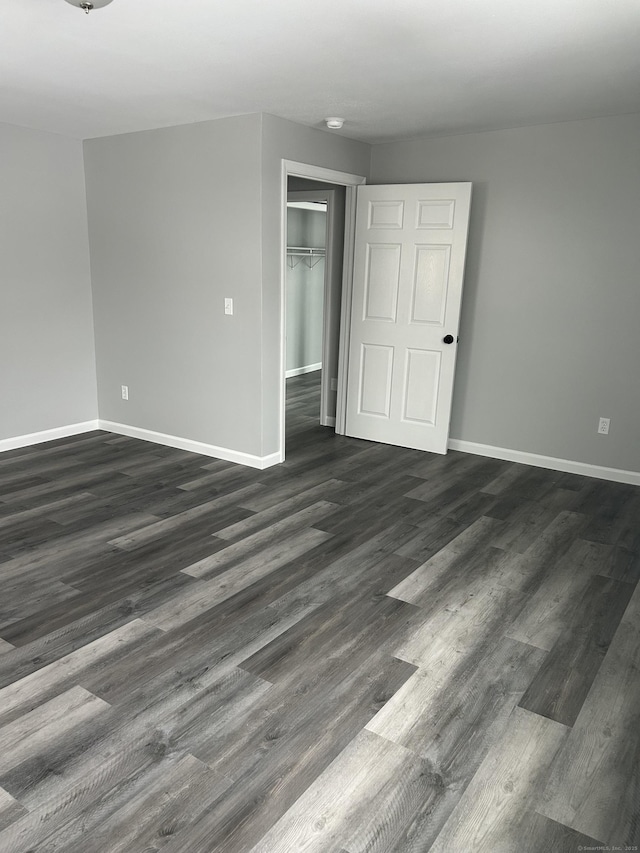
x: 319, y: 426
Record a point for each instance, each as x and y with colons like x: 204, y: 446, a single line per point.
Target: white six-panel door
x: 407, y: 288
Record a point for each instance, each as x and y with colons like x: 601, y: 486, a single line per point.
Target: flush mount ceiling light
x: 332, y: 123
x: 89, y: 5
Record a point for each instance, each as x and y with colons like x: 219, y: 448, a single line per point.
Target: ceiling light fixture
x: 88, y: 5
x: 332, y: 123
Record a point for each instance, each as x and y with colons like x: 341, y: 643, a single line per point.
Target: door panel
x: 422, y: 376
x: 375, y: 380
x: 407, y: 288
x: 430, y: 287
x: 382, y: 282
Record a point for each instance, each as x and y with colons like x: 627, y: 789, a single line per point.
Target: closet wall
x: 306, y: 229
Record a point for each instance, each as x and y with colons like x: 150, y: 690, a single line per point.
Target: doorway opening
x: 312, y: 323
x: 307, y: 285
x: 403, y: 268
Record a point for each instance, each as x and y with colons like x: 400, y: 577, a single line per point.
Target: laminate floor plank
x: 40, y: 686
x: 19, y: 481
x: 242, y: 549
x: 594, y: 784
x: 157, y: 560
x: 24, y: 599
x: 21, y: 455
x: 440, y: 472
x: 216, y: 588
x: 208, y: 510
x: 279, y: 588
x: 210, y: 482
x: 277, y: 493
x: 282, y: 717
x: 258, y: 799
x: 525, y: 482
x: 340, y: 461
x: 449, y: 488
x: 36, y: 830
x: 451, y: 714
x: 535, y: 832
x: 125, y: 739
x: 374, y: 514
x: 46, y: 511
x: 359, y: 649
x: 451, y: 653
x: 331, y: 639
x: 74, y: 549
x: 29, y: 534
x: 552, y: 606
x: 368, y: 569
x: 194, y: 654
x: 352, y: 801
x: 489, y: 814
x: 5, y: 647
x: 437, y: 571
x: 335, y: 461
x: 145, y: 815
x: 52, y: 643
x: 66, y: 486
x: 54, y: 721
x: 527, y: 519
x: 131, y: 598
x: 460, y: 709
x: 611, y: 561
x: 133, y: 497
x: 10, y: 809
x: 614, y: 516
x: 287, y: 508
x: 560, y: 687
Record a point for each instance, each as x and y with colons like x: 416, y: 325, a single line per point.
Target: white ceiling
x: 392, y: 68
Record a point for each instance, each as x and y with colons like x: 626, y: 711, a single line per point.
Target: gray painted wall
x: 285, y: 139
x: 174, y: 223
x: 549, y: 339
x: 179, y: 218
x: 46, y: 330
x: 305, y: 289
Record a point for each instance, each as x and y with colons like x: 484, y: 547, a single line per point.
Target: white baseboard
x: 200, y: 447
x: 46, y: 435
x: 328, y: 421
x: 617, y: 475
x: 298, y: 371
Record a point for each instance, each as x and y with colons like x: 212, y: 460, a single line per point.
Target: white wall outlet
x: 334, y: 384
x: 228, y: 305
x: 125, y: 392
x: 603, y: 426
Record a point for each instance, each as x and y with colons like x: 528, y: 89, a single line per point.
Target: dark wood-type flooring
x: 366, y: 648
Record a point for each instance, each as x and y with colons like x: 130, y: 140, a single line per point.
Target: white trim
x: 46, y: 435
x: 330, y: 422
x: 313, y: 173
x: 298, y: 371
x: 316, y: 206
x: 616, y: 475
x: 351, y: 203
x: 319, y: 173
x: 200, y: 447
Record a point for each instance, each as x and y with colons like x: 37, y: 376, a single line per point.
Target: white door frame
x: 327, y: 176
